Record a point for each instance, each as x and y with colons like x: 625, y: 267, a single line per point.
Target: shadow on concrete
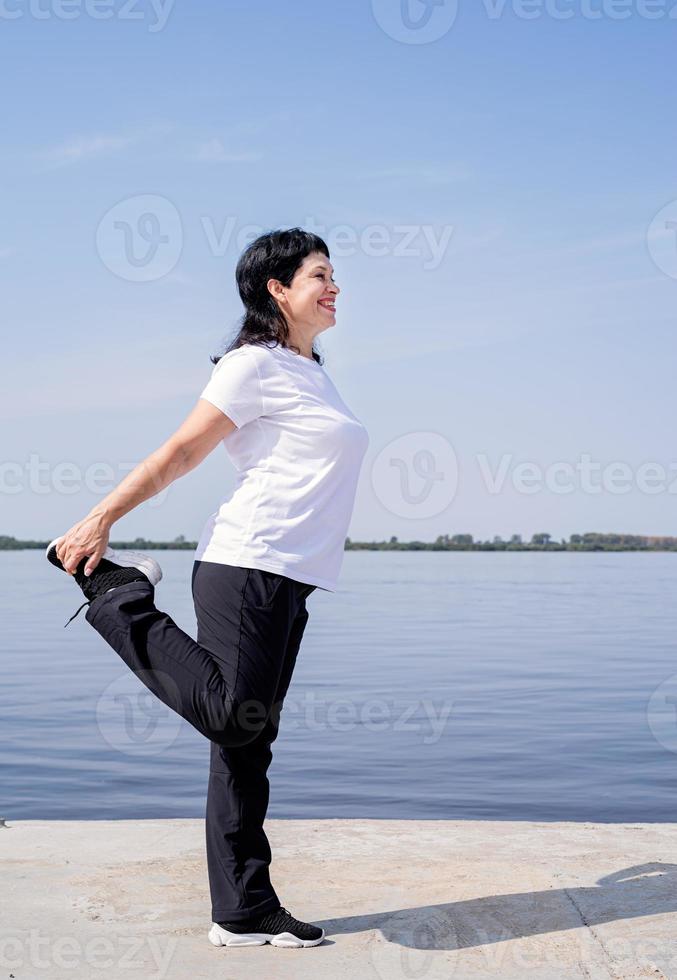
x: 645, y: 889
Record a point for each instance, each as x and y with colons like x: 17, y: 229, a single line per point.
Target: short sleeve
x: 235, y: 386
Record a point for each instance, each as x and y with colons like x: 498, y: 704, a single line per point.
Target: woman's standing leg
x: 238, y: 851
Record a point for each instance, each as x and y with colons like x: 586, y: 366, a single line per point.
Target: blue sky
x: 497, y: 198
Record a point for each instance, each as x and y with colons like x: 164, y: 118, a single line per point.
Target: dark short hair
x: 273, y: 255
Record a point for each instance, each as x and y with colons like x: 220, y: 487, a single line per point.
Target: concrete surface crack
x: 607, y: 958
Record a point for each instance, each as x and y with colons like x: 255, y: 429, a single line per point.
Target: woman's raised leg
x: 225, y: 692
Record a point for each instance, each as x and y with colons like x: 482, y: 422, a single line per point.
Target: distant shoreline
x: 459, y: 542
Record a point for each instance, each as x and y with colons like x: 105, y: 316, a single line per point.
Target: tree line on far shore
x: 590, y: 541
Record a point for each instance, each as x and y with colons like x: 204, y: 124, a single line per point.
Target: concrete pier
x: 410, y: 899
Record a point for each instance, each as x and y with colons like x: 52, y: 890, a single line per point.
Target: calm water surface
x: 467, y: 685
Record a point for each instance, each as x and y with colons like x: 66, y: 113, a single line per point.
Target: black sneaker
x: 114, y: 568
x: 279, y: 928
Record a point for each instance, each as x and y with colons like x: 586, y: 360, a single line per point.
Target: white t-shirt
x: 298, y: 450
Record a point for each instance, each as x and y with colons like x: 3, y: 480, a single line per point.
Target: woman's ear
x: 276, y: 289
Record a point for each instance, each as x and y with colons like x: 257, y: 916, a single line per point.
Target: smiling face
x: 308, y: 303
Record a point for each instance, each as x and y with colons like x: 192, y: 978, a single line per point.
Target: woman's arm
x: 195, y: 438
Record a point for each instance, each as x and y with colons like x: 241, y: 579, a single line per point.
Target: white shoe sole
x: 219, y: 936
x: 128, y: 559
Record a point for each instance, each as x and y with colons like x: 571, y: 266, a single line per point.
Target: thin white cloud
x: 87, y: 147
x: 213, y: 151
x: 82, y: 148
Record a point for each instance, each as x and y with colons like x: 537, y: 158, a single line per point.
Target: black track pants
x: 230, y: 685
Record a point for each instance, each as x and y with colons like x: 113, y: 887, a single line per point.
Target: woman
x: 277, y: 537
